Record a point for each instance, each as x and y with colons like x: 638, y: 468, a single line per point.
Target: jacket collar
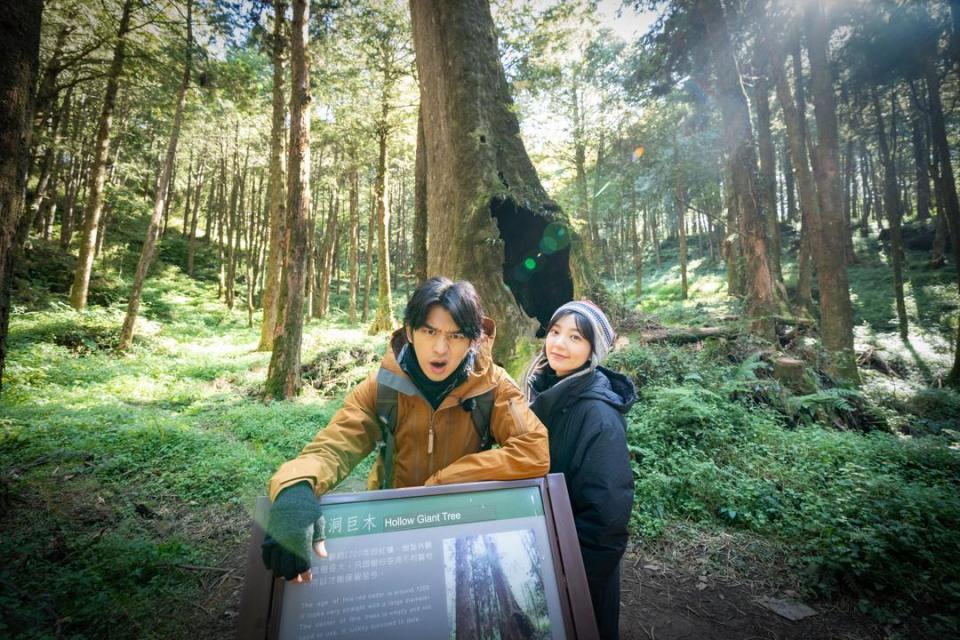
x: 478, y: 381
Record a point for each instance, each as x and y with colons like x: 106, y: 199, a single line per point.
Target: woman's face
x: 567, y: 350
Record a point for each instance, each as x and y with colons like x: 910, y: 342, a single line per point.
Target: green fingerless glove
x: 295, y: 524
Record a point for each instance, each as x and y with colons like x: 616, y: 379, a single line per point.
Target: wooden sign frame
x: 262, y: 599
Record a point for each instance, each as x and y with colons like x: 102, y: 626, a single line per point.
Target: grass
x: 121, y: 470
x: 127, y: 481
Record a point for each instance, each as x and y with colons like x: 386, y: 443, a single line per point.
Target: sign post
x: 454, y: 561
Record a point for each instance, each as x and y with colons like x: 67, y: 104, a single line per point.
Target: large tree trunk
x: 19, y: 60
x: 485, y: 203
x: 948, y: 187
x: 893, y: 206
x: 420, y: 207
x: 680, y: 197
x: 368, y: 276
x: 383, y: 320
x: 98, y: 171
x: 761, y: 295
x: 354, y: 236
x: 921, y: 162
x: 767, y: 178
x: 283, y: 376
x: 836, y: 312
x: 275, y: 192
x: 159, y: 201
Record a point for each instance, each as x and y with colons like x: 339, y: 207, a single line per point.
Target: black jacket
x: 588, y: 444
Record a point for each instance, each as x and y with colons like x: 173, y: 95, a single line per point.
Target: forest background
x: 213, y: 211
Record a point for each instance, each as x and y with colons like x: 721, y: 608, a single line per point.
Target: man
x: 436, y: 371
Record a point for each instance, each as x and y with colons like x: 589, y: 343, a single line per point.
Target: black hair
x: 459, y: 298
x: 583, y: 324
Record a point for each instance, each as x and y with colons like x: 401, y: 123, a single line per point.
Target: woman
x: 582, y: 404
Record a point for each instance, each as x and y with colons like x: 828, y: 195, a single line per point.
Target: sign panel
x: 459, y: 561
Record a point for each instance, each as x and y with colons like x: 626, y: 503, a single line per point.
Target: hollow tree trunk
x: 19, y: 61
x: 275, y: 191
x: 501, y: 236
x: 283, y: 376
x: 159, y: 202
x: 98, y: 171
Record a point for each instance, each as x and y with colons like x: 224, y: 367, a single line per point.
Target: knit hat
x: 603, y: 337
x: 602, y: 329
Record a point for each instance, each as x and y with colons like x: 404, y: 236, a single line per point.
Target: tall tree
x: 98, y: 170
x: 836, y: 312
x: 420, y: 207
x: 283, y: 376
x: 159, y: 200
x: 501, y: 236
x: 761, y: 295
x: 275, y: 191
x: 19, y: 61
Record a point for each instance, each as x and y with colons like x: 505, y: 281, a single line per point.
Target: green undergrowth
x: 875, y: 515
x: 121, y: 472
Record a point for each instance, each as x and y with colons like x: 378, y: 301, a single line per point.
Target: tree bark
x: 354, y: 237
x: 948, y: 187
x: 283, y: 376
x: 894, y: 207
x: 383, y: 320
x: 275, y: 191
x: 767, y: 178
x: 420, y: 207
x: 19, y: 62
x: 485, y: 203
x: 368, y: 276
x: 836, y: 313
x: 761, y: 295
x: 159, y: 202
x: 98, y: 170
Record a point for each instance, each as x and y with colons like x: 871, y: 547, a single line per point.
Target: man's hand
x: 294, y: 528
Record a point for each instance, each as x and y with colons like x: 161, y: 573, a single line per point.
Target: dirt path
x: 663, y: 605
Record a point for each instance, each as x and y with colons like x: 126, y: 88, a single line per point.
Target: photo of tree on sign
x: 495, y: 587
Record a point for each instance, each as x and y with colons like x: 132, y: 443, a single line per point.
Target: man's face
x: 439, y: 344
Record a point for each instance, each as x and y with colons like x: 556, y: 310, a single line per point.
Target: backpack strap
x: 387, y: 400
x: 480, y: 414
x: 387, y: 414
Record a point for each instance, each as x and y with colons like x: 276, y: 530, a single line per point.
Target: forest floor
x: 127, y: 480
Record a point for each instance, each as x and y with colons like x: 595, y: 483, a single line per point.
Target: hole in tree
x: 536, y: 259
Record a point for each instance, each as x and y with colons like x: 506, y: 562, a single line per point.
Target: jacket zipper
x: 433, y: 414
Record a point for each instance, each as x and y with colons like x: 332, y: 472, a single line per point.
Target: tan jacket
x: 455, y: 457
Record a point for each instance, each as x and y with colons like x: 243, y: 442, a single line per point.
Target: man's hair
x: 459, y: 298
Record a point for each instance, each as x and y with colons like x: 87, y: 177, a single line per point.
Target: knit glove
x: 295, y: 524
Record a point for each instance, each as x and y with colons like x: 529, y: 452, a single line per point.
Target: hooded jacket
x: 454, y: 454
x: 588, y: 444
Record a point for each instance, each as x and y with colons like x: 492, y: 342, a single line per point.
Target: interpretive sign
x: 477, y: 560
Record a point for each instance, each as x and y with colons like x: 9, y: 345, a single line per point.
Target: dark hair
x: 459, y: 298
x: 583, y: 324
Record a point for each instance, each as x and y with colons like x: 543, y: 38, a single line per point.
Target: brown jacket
x: 455, y: 457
